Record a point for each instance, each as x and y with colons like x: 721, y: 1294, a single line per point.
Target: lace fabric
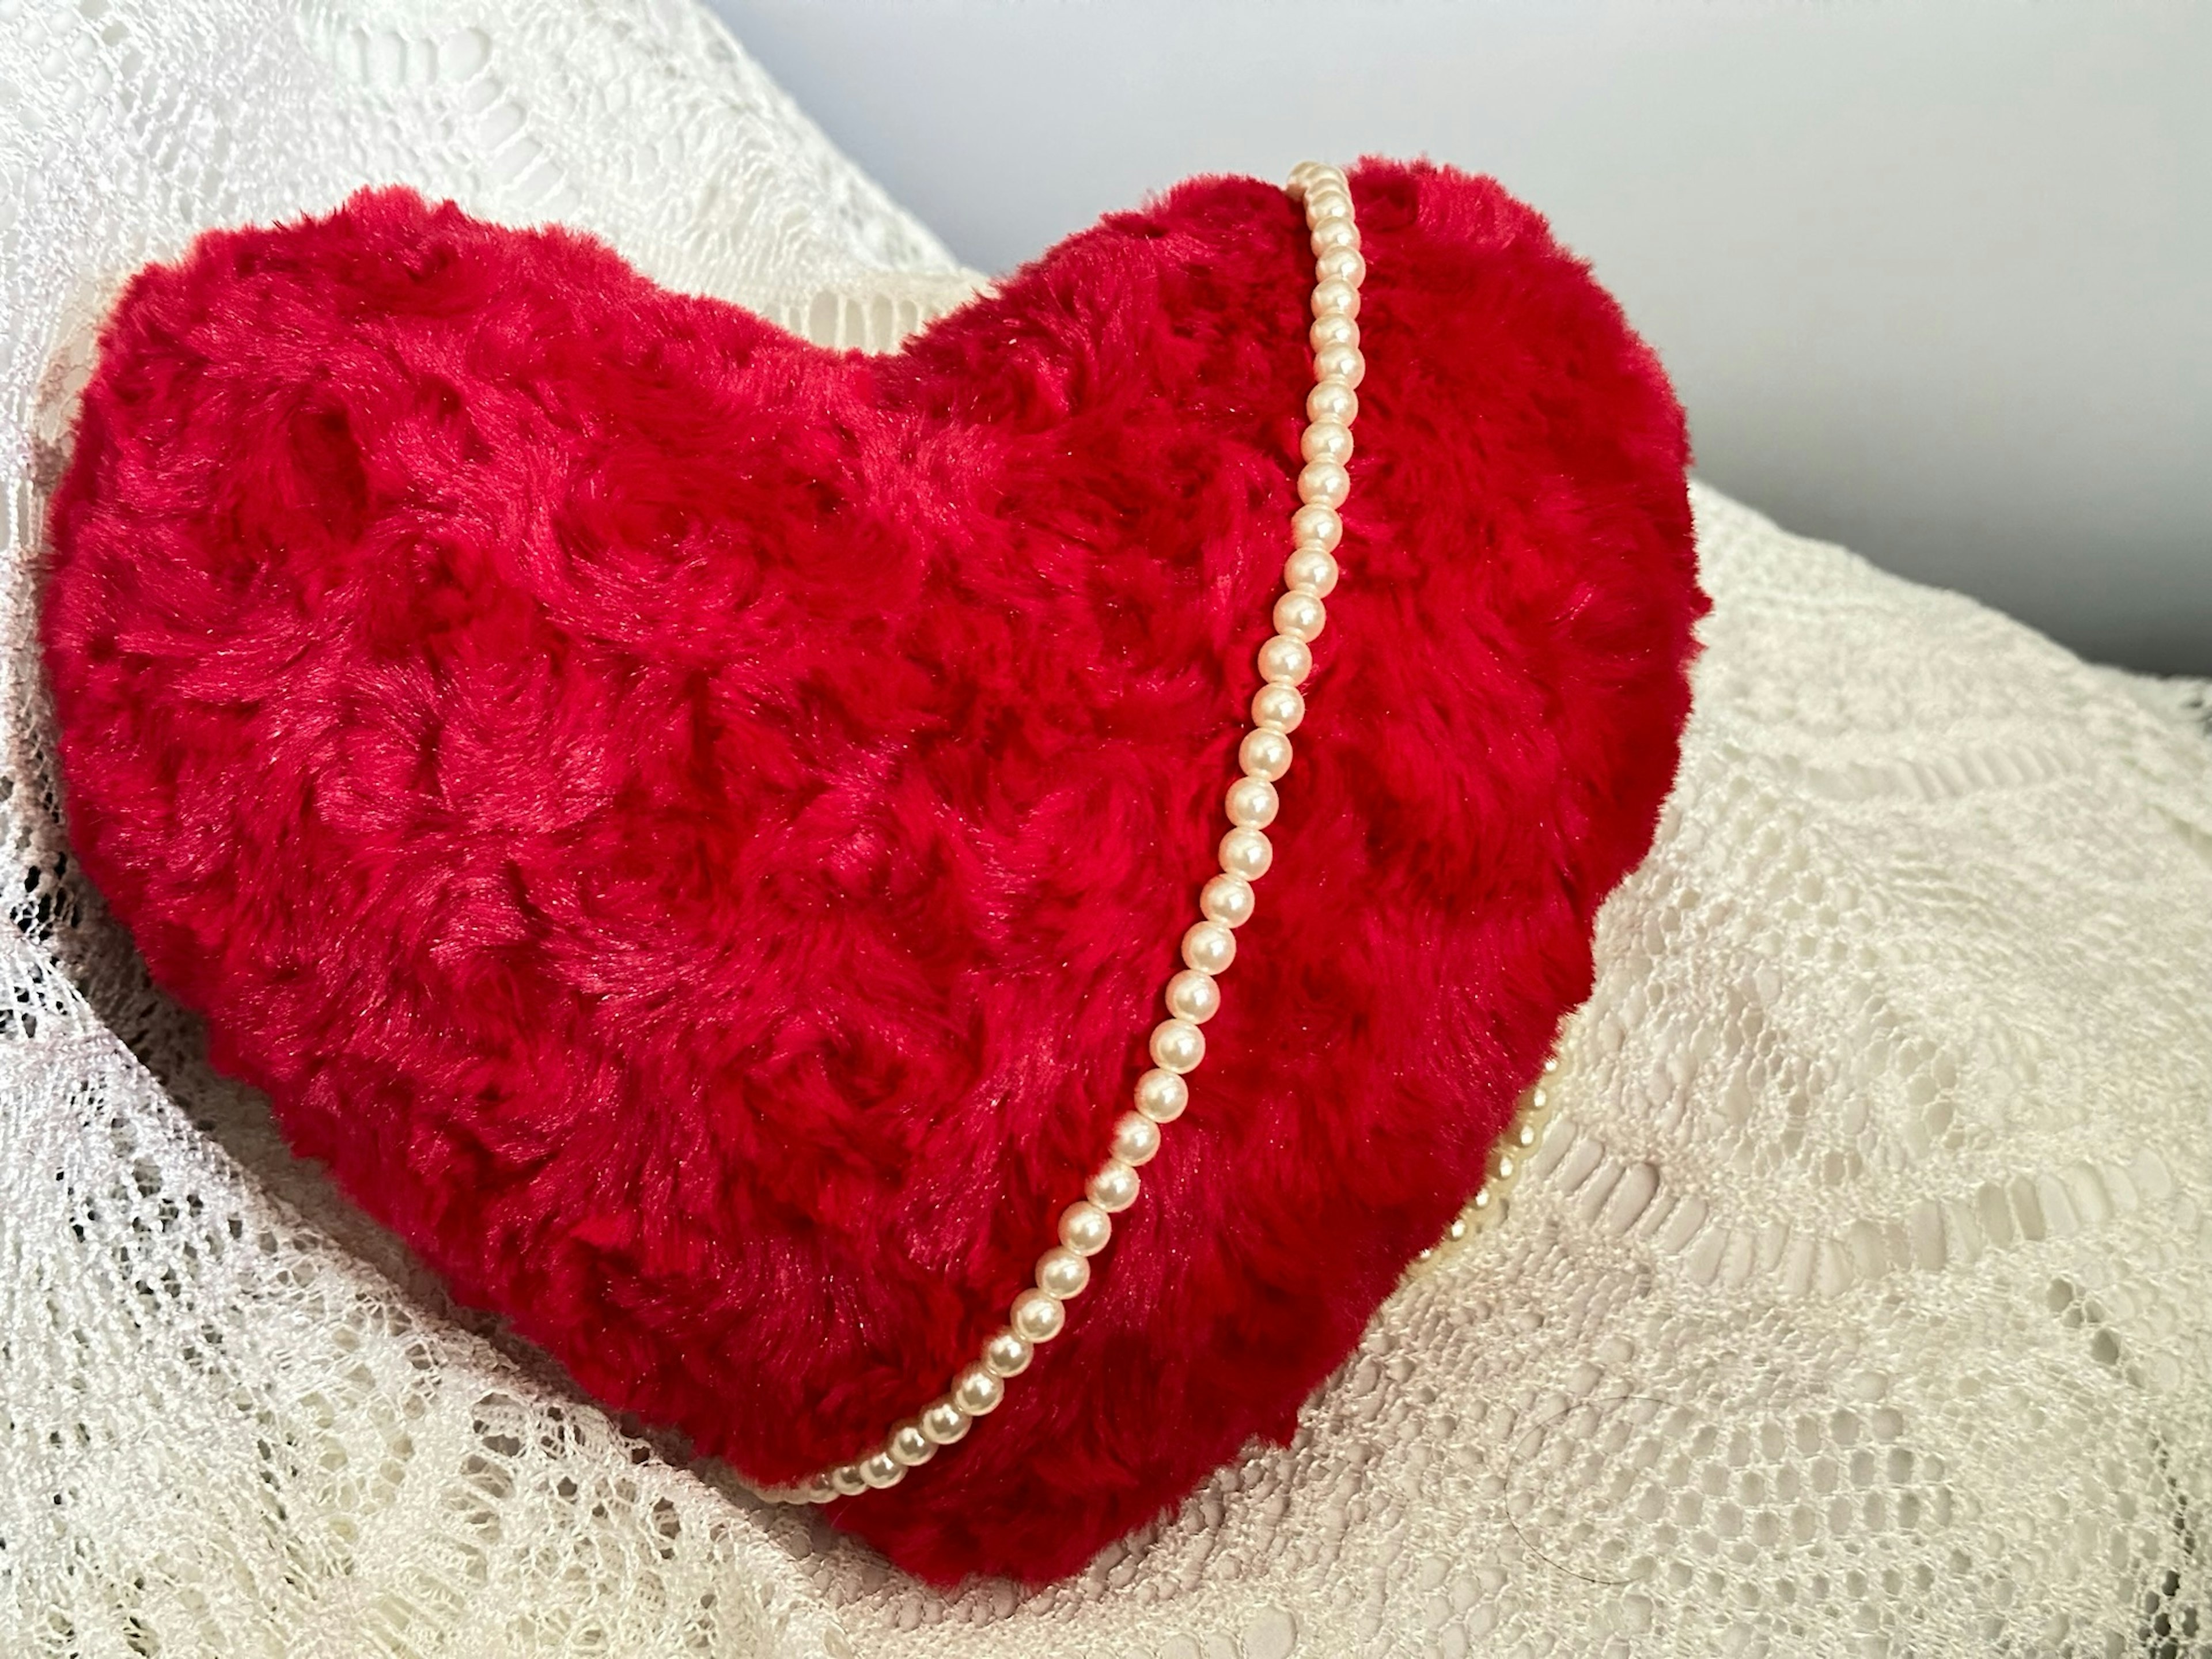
x: 1858, y: 1300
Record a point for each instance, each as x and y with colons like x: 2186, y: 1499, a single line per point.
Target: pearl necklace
x: 1039, y: 1313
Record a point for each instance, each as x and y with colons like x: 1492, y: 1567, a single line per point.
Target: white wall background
x: 1931, y: 278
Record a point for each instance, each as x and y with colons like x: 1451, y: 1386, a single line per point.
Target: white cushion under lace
x: 1860, y: 1300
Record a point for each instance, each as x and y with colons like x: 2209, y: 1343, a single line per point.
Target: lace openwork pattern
x: 1859, y: 1299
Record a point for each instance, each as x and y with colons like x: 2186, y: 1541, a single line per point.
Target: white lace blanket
x: 1859, y: 1302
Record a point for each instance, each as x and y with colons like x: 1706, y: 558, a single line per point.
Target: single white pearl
x: 910, y: 1445
x: 1334, y: 400
x: 1112, y: 1187
x: 1227, y: 899
x: 1314, y: 526
x: 1209, y: 948
x: 1300, y: 616
x: 1007, y: 1354
x: 1193, y: 996
x: 1325, y: 441
x: 1037, y: 1317
x: 1284, y: 661
x: 1177, y: 1046
x: 1341, y: 264
x: 1336, y: 329
x: 943, y: 1422
x: 1335, y: 231
x: 1253, y: 803
x: 976, y: 1392
x: 1281, y: 707
x: 816, y: 1491
x: 1264, y: 754
x: 1246, y: 852
x: 1061, y: 1273
x: 881, y: 1469
x: 1326, y: 209
x: 1136, y: 1139
x: 848, y: 1480
x: 1084, y: 1227
x: 1333, y: 294
x: 1339, y: 362
x: 1324, y: 482
x: 1162, y: 1096
x: 1309, y: 570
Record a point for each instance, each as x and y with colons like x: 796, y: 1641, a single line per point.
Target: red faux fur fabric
x: 692, y: 826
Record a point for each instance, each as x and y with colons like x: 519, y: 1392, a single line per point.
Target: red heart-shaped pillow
x: 692, y: 826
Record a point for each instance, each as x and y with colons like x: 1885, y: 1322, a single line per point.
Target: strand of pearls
x: 1039, y: 1314
x: 1509, y: 1156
